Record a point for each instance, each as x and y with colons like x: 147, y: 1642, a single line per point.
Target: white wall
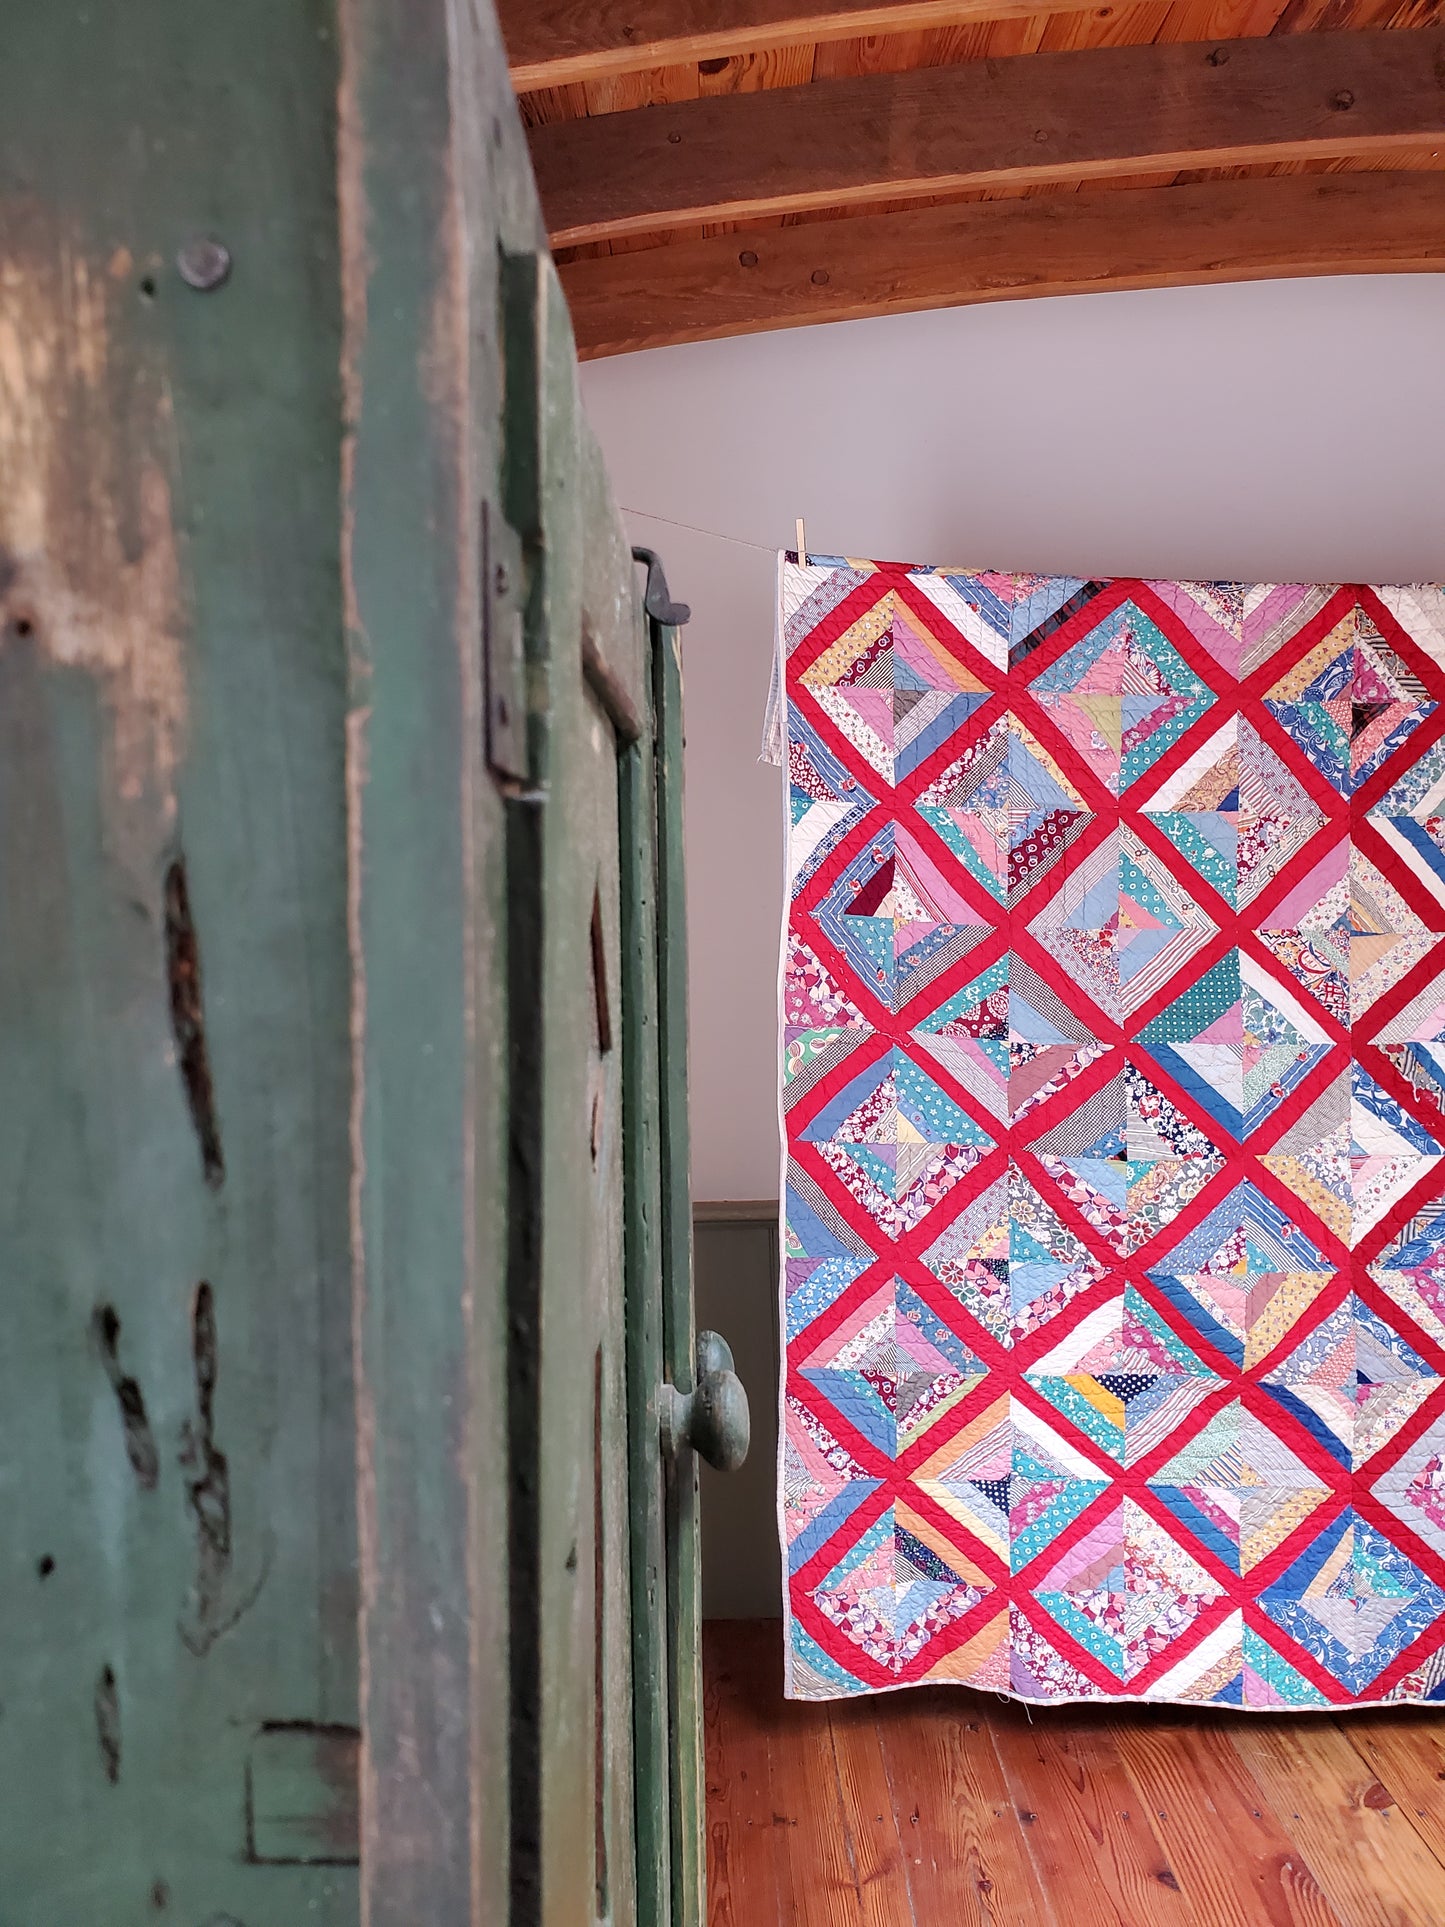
x: 1285, y: 431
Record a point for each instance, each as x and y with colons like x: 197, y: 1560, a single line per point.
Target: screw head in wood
x: 203, y: 263
x: 747, y: 258
x: 820, y: 277
x: 1342, y: 101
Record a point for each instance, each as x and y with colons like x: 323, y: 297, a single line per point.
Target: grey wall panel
x: 736, y: 1285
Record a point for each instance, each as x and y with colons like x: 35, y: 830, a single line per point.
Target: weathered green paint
x: 301, y: 1791
x: 572, y: 1673
x: 343, y: 1222
x: 684, y: 1582
x: 646, y: 1366
x: 176, y: 1523
x: 432, y: 190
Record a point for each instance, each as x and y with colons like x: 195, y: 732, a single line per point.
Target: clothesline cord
x: 763, y: 548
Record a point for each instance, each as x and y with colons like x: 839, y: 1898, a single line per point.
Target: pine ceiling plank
x: 613, y: 94
x: 1040, y: 117
x: 551, y: 42
x: 891, y: 53
x: 750, y: 73
x: 1209, y: 20
x: 936, y: 257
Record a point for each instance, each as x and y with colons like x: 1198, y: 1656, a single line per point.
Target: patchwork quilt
x: 1113, y: 1078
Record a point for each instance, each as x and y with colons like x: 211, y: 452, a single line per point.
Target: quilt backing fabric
x: 1113, y: 1078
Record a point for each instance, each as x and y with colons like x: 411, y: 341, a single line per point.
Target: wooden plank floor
x: 945, y: 1808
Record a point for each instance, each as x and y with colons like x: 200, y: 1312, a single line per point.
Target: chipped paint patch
x: 89, y: 572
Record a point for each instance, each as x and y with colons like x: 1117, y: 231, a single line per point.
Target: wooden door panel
x: 586, y: 648
x: 432, y: 197
x: 176, y: 1507
x: 335, y: 1172
x: 684, y: 1578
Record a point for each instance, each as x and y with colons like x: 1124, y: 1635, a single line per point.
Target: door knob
x: 713, y: 1420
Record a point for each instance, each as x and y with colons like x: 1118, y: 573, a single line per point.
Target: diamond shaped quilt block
x: 1353, y: 1601
x: 893, y: 1592
x: 1123, y: 1378
x: 1126, y: 1591
x: 1242, y: 1276
x: 1011, y: 1481
x: 895, y: 1141
x: 1350, y: 703
x: 896, y: 918
x: 1005, y: 808
x: 1351, y: 1383
x: 894, y: 1371
x: 1128, y: 674
x: 1239, y: 1489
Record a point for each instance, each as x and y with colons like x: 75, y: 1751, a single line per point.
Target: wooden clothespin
x: 802, y: 545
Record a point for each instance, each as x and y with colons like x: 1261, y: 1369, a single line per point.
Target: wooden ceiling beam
x: 937, y: 257
x: 553, y: 42
x: 1035, y: 117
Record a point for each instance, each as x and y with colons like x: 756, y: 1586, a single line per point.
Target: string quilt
x: 1113, y: 1081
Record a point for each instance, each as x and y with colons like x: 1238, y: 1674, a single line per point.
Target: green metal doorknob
x: 712, y: 1420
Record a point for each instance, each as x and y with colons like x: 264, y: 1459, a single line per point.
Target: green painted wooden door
x: 344, y: 1260
x: 607, y: 1776
x: 572, y: 1764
